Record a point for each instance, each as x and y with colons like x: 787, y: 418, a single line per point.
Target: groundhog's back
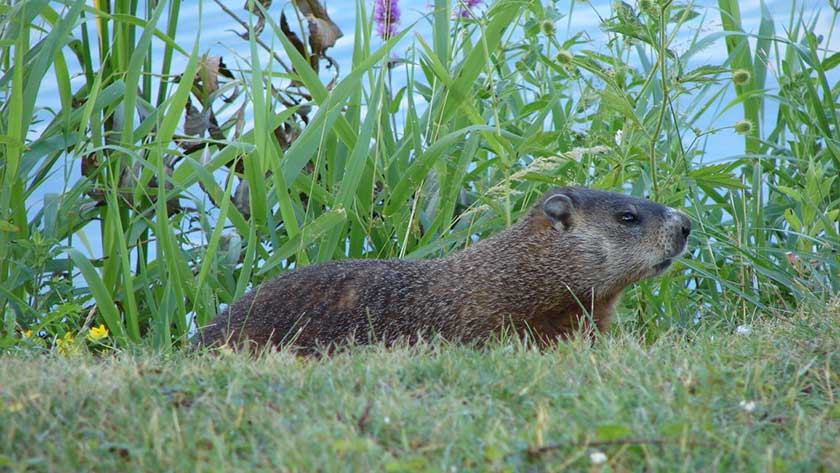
x: 360, y: 300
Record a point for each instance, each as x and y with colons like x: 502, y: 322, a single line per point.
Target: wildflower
x: 747, y: 406
x: 743, y: 127
x: 548, y: 28
x: 597, y: 457
x: 793, y: 260
x: 564, y: 57
x: 618, y: 136
x: 743, y: 330
x: 466, y: 8
x: 27, y: 334
x: 96, y: 334
x: 386, y: 15
x: 15, y: 406
x: 741, y: 77
x: 66, y: 345
x: 225, y: 350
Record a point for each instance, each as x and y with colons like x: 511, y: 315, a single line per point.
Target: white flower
x: 597, y: 457
x: 747, y: 406
x: 386, y: 419
x: 743, y: 330
x: 618, y: 135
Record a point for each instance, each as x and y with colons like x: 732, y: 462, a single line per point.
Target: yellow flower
x: 66, y: 345
x: 15, y: 406
x: 27, y: 334
x: 97, y: 333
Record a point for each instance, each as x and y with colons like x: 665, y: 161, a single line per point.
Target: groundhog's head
x: 613, y: 239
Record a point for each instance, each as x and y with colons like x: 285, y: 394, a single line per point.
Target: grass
x: 702, y: 400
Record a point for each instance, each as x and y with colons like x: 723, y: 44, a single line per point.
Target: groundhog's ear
x: 560, y: 211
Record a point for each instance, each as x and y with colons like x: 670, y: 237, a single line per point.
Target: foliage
x: 412, y: 157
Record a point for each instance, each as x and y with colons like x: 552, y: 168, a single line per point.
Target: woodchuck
x: 565, y: 263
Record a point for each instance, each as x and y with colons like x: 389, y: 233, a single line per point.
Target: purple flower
x: 386, y: 14
x: 466, y: 7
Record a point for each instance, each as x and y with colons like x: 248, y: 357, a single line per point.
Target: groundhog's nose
x: 685, y: 225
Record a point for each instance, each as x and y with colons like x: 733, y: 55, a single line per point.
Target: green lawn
x: 703, y: 400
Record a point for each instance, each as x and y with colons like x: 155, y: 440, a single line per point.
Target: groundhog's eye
x: 629, y: 217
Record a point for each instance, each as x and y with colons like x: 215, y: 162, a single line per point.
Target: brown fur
x: 564, y: 264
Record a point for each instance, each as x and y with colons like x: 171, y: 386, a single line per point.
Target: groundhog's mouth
x: 663, y: 265
x: 660, y: 267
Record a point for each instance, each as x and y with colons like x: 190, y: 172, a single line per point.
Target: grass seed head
x: 741, y: 77
x: 743, y: 127
x: 564, y: 57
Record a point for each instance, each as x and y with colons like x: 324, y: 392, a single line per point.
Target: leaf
x: 208, y: 72
x: 790, y: 192
x: 322, y: 34
x: 705, y: 73
x: 793, y: 220
x: 766, y: 32
x: 716, y: 175
x: 831, y: 62
x: 257, y: 7
x: 683, y: 14
x: 195, y: 122
x: 291, y: 35
x: 241, y: 199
